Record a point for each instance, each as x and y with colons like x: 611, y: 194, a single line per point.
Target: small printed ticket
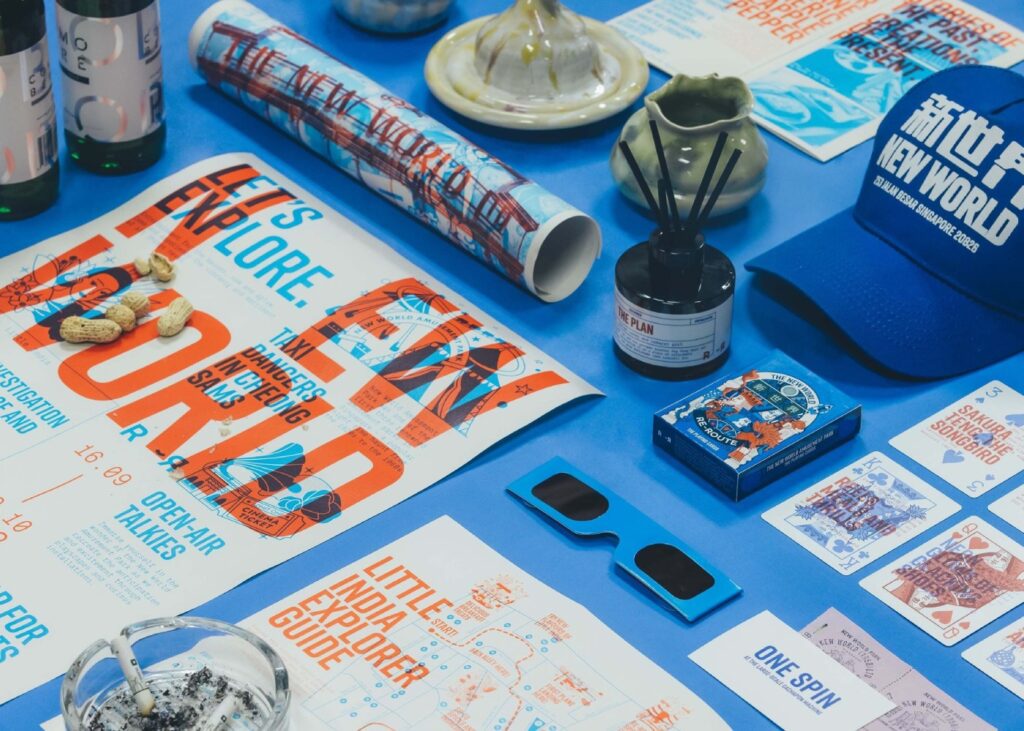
x: 919, y: 704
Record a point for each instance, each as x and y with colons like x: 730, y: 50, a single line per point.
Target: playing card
x: 955, y: 583
x: 860, y: 513
x: 1010, y: 508
x: 919, y: 704
x: 1001, y: 657
x: 975, y: 444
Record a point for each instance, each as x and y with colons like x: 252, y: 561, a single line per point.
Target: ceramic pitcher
x: 393, y: 16
x: 690, y: 112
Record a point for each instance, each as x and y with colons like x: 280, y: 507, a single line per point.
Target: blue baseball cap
x: 926, y: 272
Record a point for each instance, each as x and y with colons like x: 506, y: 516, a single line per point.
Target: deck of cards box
x: 746, y: 430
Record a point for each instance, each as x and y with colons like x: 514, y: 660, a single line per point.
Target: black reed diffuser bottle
x: 673, y: 292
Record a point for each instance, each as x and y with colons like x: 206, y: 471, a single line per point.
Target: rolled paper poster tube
x: 478, y: 202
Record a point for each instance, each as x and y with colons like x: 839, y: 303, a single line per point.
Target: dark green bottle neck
x: 22, y: 24
x: 104, y: 8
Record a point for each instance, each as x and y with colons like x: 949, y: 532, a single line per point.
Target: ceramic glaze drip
x: 537, y: 65
x: 539, y: 49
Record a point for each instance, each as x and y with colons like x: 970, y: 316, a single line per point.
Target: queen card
x: 956, y: 583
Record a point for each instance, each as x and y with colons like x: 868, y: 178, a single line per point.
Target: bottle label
x: 113, y: 74
x: 672, y: 341
x: 28, y: 117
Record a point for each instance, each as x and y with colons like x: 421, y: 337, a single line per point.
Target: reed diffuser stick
x: 641, y: 181
x: 719, y: 187
x: 669, y: 192
x: 702, y: 189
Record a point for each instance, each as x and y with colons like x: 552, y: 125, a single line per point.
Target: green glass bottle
x: 112, y: 71
x: 29, y: 175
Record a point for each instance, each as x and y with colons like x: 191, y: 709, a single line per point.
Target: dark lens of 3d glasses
x: 571, y: 497
x: 680, y: 575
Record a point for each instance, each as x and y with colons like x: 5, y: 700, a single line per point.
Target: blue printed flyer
x: 823, y: 74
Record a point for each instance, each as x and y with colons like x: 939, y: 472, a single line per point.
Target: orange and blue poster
x: 319, y: 379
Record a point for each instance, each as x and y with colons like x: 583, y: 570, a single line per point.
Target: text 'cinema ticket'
x: 956, y: 583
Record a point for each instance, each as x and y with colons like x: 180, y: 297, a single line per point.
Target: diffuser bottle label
x: 672, y: 341
x: 28, y: 119
x: 113, y: 74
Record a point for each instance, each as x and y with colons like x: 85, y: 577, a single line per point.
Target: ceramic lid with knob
x: 536, y: 65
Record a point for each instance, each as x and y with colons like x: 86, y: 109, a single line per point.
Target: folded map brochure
x: 437, y: 631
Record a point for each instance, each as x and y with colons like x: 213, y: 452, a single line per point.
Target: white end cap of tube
x: 562, y: 254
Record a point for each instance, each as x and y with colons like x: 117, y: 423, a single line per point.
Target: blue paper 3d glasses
x: 652, y: 555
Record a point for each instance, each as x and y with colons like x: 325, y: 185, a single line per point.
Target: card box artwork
x: 748, y: 429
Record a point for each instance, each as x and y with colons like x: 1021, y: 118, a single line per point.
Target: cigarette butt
x: 144, y: 700
x: 221, y: 715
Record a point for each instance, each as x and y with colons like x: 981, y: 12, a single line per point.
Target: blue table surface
x: 609, y: 437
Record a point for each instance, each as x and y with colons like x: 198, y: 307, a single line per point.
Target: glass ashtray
x: 203, y: 674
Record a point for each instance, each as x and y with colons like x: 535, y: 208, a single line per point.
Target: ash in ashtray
x: 184, y: 702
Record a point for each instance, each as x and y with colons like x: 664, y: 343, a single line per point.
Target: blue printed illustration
x: 853, y: 515
x: 280, y: 477
x: 396, y: 150
x: 79, y: 286
x: 804, y: 109
x: 1009, y: 660
x: 851, y: 76
x: 426, y: 349
x: 751, y: 415
x: 858, y: 78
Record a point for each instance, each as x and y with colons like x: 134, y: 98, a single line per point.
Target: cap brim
x: 903, y: 317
